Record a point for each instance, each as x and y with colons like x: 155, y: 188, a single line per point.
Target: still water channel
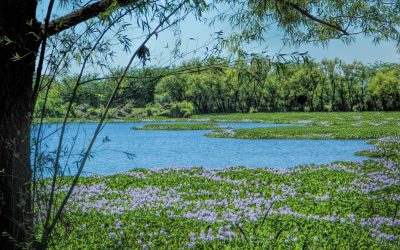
x: 119, y: 148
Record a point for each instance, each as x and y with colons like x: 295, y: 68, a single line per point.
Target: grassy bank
x: 272, y: 118
x: 343, y: 205
x: 301, y: 117
x: 50, y: 120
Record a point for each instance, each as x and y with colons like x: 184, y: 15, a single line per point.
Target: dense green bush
x: 126, y: 110
x: 154, y: 109
x: 181, y: 109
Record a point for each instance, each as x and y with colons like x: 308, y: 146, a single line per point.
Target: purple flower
x: 112, y: 235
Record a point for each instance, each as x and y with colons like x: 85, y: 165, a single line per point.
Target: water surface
x: 119, y: 148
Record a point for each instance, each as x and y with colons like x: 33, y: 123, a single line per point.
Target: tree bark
x: 17, y: 65
x: 20, y: 35
x: 85, y: 13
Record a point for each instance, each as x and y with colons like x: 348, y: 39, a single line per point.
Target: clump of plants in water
x: 182, y: 126
x: 384, y: 147
x: 323, y: 126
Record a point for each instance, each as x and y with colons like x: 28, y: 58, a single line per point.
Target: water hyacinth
x: 242, y: 208
x: 304, y: 121
x: 112, y: 235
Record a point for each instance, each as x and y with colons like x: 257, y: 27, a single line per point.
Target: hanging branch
x: 58, y: 151
x: 312, y: 17
x: 49, y: 229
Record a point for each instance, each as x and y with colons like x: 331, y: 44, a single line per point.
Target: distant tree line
x: 219, y: 86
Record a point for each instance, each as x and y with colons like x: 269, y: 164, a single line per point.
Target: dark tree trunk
x: 314, y: 87
x: 342, y: 98
x: 333, y: 100
x: 17, y: 21
x: 321, y: 99
x: 384, y: 103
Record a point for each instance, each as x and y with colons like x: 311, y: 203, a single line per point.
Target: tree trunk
x: 17, y: 66
x: 333, y: 84
x: 321, y: 99
x: 343, y: 98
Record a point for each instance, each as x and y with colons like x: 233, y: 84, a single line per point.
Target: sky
x: 362, y: 49
x: 196, y: 36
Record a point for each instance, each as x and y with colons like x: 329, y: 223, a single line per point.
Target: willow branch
x: 85, y: 13
x: 103, y: 117
x: 312, y: 17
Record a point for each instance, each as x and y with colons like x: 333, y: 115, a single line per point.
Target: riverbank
x: 342, y: 205
x: 273, y: 117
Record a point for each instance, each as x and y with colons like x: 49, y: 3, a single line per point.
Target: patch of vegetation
x: 180, y: 126
x: 342, y: 205
x: 357, y: 125
x: 386, y: 147
x: 181, y: 109
x: 305, y: 117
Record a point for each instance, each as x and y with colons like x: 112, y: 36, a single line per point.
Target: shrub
x: 126, y: 110
x: 154, y: 109
x: 80, y: 110
x: 181, y: 109
x: 253, y: 110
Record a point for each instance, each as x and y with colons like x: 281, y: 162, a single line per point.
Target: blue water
x: 119, y: 149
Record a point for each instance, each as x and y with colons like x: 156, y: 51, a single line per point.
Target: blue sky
x: 362, y: 49
x: 195, y: 35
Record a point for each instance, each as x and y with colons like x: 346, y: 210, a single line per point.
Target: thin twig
x: 99, y: 126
